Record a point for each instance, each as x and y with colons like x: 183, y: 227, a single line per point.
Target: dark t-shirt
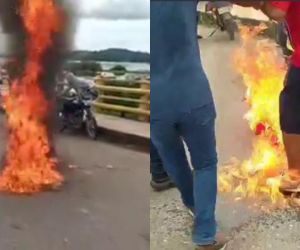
x: 178, y: 81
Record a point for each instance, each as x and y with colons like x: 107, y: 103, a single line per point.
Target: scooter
x: 221, y: 11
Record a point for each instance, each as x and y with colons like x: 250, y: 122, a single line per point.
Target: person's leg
x: 159, y: 178
x: 292, y: 148
x: 165, y: 137
x: 156, y: 166
x: 290, y: 182
x: 290, y: 125
x: 198, y: 130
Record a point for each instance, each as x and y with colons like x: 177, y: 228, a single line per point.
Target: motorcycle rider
x: 83, y: 87
x: 71, y: 90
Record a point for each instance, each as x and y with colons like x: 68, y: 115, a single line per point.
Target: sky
x: 103, y: 24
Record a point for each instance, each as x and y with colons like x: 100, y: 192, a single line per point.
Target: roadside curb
x: 124, y: 131
x: 120, y: 137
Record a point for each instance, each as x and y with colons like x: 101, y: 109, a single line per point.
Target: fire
x: 29, y: 165
x: 263, y: 70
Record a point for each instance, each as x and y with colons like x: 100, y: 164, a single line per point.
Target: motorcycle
x: 75, y: 111
x: 221, y: 11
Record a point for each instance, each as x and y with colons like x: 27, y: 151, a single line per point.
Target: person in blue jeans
x: 160, y: 180
x: 182, y: 109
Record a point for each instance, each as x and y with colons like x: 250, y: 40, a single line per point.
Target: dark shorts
x: 290, y: 103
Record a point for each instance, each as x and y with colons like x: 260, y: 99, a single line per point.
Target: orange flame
x: 263, y: 69
x: 29, y: 166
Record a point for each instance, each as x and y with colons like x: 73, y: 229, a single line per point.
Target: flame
x: 263, y: 70
x: 29, y: 166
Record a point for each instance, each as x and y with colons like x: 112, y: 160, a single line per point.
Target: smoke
x: 12, y: 24
x: 16, y: 46
x: 11, y: 21
x: 54, y: 57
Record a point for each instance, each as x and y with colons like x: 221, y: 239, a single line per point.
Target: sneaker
x: 290, y: 183
x: 218, y: 245
x: 161, y: 185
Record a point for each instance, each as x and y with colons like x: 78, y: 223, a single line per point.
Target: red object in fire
x: 275, y: 140
x: 260, y: 129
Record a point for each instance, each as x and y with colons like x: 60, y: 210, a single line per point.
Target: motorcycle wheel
x: 91, y: 127
x: 229, y: 25
x: 230, y: 28
x: 60, y: 123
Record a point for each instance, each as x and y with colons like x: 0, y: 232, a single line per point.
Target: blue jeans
x: 156, y: 165
x: 198, y: 188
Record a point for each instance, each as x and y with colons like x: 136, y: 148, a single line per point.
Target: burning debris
x: 30, y: 164
x: 263, y: 69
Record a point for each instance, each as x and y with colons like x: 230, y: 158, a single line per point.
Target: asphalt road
x: 103, y: 205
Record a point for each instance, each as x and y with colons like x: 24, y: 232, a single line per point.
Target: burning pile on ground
x: 30, y: 165
x: 263, y: 68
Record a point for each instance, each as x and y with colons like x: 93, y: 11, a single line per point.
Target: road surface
x: 170, y: 224
x: 104, y: 204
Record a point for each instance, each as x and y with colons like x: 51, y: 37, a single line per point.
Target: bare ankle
x: 294, y: 173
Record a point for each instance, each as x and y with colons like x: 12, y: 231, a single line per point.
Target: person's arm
x: 253, y: 4
x: 276, y: 10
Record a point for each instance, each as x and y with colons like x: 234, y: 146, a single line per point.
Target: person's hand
x: 259, y: 5
x: 254, y: 4
x: 208, y: 7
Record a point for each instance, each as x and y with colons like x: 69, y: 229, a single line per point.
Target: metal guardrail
x: 129, y: 98
x: 124, y: 97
